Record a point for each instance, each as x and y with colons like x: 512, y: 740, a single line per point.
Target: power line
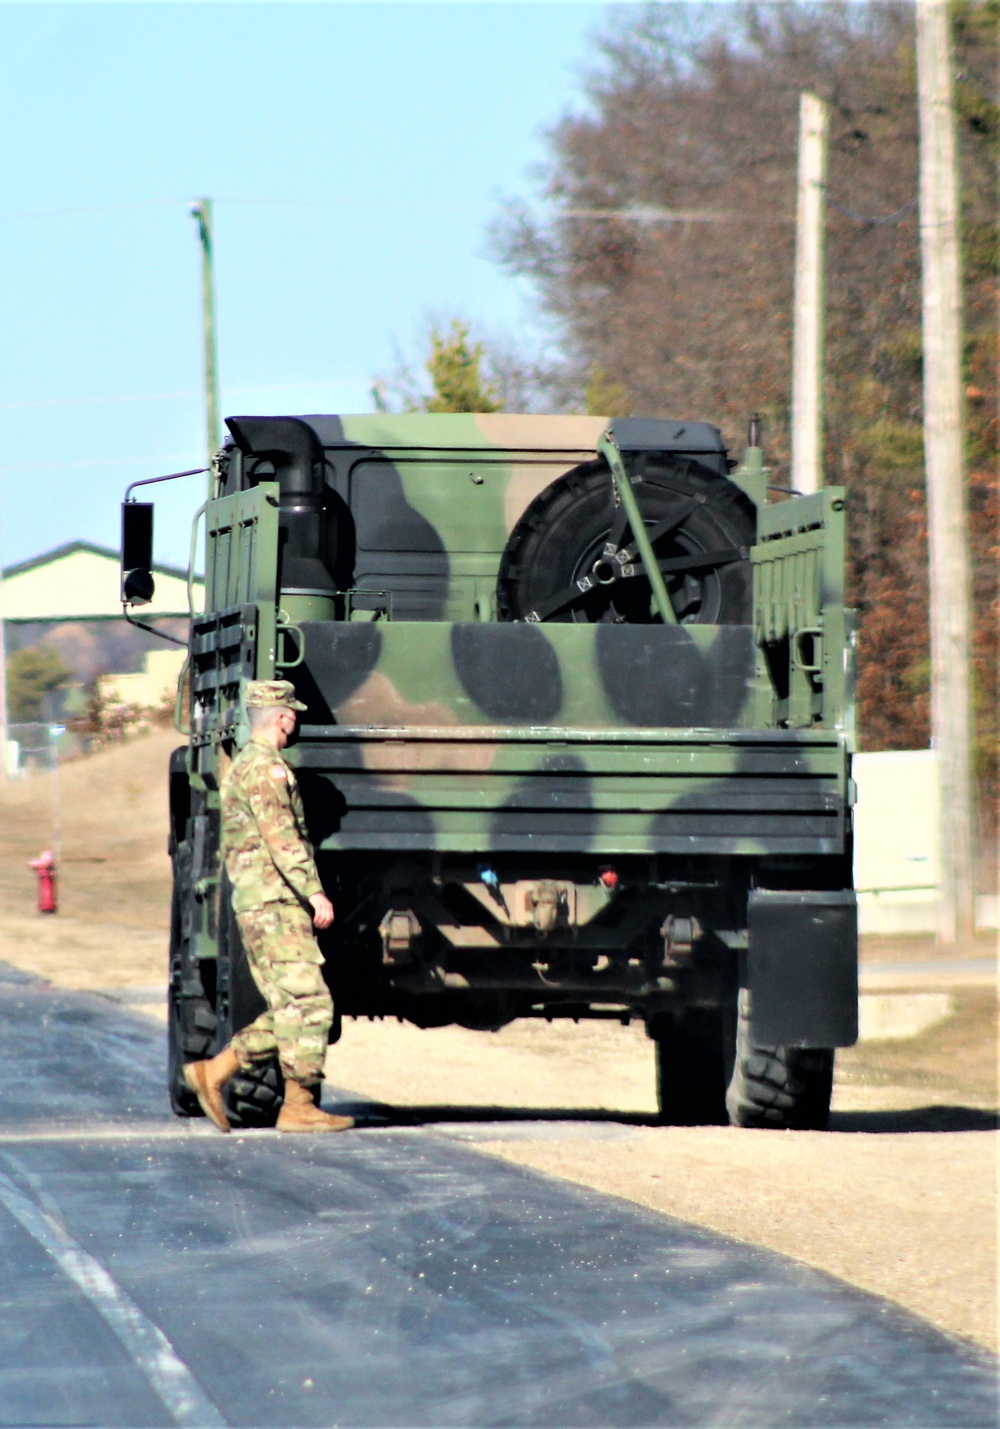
x: 869, y: 219
x: 636, y: 213
x: 31, y: 402
x: 650, y: 213
x: 234, y: 392
x: 15, y: 214
x: 6, y: 467
x: 340, y: 205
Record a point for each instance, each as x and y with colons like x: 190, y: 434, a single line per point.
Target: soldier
x: 277, y: 899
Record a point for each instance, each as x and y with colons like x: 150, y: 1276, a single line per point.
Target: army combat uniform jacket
x: 268, y: 855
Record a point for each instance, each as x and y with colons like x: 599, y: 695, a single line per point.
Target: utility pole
x: 950, y: 584
x: 807, y: 340
x: 201, y: 212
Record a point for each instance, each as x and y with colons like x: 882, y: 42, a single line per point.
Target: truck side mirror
x: 138, y: 587
x: 137, y: 552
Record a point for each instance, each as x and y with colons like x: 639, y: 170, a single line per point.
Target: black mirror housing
x: 138, y: 587
x: 137, y: 552
x: 137, y: 535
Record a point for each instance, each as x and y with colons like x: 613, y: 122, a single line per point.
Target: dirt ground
x: 899, y: 1197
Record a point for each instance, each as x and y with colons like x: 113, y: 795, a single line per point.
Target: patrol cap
x: 270, y: 694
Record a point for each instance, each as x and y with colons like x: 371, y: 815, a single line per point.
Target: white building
x: 897, y: 866
x: 81, y: 581
x: 69, y: 601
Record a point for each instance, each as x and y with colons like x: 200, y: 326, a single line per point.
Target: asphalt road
x: 155, y: 1272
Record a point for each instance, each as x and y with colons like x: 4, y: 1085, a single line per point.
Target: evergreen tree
x: 603, y: 397
x: 31, y: 674
x: 455, y: 369
x: 465, y: 376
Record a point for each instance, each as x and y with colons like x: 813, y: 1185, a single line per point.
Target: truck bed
x: 475, y: 738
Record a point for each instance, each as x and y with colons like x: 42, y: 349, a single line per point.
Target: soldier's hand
x: 322, y: 910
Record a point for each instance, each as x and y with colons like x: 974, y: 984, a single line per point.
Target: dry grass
x: 956, y: 1058
x: 113, y: 807
x: 923, y: 948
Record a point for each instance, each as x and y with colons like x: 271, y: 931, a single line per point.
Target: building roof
x: 80, y: 580
x: 70, y: 547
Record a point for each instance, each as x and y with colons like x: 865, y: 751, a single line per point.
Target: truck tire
x: 784, y: 1088
x: 561, y: 537
x: 694, y: 1056
x: 253, y: 1098
x: 191, y: 1023
x: 190, y: 1035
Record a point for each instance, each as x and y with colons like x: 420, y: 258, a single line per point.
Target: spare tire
x: 571, y: 556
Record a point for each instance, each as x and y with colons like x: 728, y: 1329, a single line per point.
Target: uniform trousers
x: 286, y: 965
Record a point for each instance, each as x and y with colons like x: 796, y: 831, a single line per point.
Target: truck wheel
x: 701, y: 527
x: 253, y: 1098
x: 190, y: 1014
x: 785, y: 1088
x: 694, y: 1055
x: 190, y: 1034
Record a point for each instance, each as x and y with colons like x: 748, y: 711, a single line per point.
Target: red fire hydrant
x: 45, y: 866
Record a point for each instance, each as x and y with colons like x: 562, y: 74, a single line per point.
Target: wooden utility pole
x: 807, y: 341
x: 950, y: 585
x: 201, y: 212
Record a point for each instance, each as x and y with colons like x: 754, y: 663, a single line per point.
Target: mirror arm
x: 192, y: 553
x: 141, y: 625
x: 152, y: 480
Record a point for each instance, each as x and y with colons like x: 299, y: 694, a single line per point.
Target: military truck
x: 578, y: 741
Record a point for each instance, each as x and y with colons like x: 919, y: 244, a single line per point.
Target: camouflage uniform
x: 270, y: 864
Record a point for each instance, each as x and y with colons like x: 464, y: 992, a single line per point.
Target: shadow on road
x: 382, y: 1114
x: 921, y: 1118
x: 927, y: 1118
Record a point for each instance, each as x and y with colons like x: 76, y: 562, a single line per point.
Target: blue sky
x: 356, y: 155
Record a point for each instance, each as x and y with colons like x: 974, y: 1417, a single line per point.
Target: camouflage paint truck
x: 577, y: 745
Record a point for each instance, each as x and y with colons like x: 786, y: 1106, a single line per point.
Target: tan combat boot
x: 299, y: 1113
x: 206, y: 1080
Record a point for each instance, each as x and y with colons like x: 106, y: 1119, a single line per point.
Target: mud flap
x: 802, y: 968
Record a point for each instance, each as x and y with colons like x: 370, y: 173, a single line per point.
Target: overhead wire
x: 870, y: 220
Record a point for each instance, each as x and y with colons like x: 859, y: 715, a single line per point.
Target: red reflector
x: 609, y: 877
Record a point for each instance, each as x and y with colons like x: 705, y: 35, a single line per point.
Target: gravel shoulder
x: 899, y: 1197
